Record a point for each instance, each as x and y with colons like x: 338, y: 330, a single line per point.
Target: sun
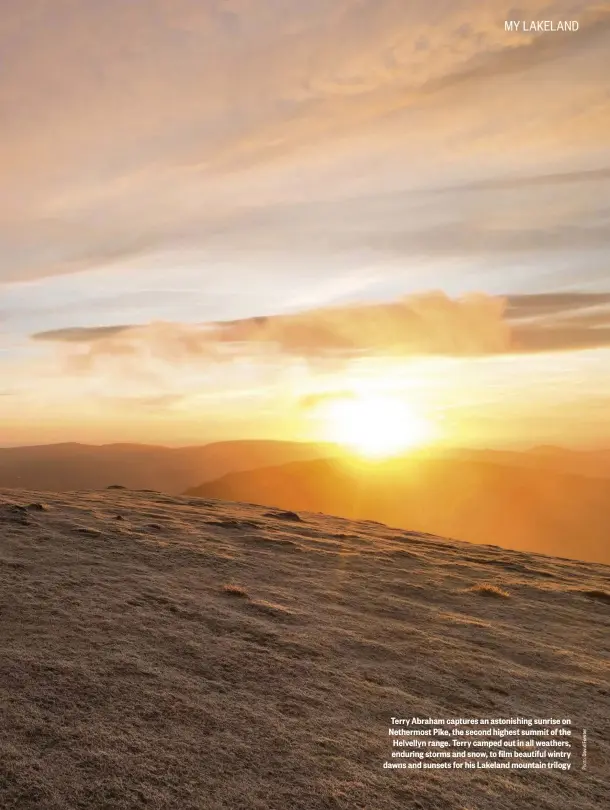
x: 374, y: 426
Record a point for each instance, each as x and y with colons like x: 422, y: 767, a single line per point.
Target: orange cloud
x: 430, y: 323
x: 427, y: 324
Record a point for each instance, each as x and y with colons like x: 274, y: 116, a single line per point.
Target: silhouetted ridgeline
x: 513, y: 506
x: 72, y: 466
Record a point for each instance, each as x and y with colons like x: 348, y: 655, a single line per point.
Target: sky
x: 215, y: 215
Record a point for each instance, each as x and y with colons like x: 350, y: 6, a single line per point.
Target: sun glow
x: 374, y: 426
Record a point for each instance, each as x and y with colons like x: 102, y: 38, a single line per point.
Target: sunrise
x: 304, y: 402
x: 373, y: 425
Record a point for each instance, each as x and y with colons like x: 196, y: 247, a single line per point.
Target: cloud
x: 520, y: 181
x: 417, y: 325
x: 560, y: 321
x: 311, y: 401
x: 479, y: 239
x: 430, y: 323
x: 554, y: 303
x: 130, y: 142
x: 177, y: 161
x: 77, y: 334
x: 518, y: 58
x: 564, y: 336
x: 154, y: 403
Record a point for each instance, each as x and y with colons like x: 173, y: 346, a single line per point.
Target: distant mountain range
x: 529, y: 504
x: 547, y: 499
x: 66, y: 467
x: 592, y: 463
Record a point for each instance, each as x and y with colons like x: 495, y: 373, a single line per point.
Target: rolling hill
x: 72, y: 466
x: 479, y: 501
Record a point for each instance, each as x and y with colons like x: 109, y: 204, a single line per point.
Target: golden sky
x: 215, y: 216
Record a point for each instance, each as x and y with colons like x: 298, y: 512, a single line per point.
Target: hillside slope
x: 482, y: 502
x: 132, y: 677
x: 590, y: 463
x: 66, y: 467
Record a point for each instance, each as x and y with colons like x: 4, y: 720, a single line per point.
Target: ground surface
x: 131, y: 676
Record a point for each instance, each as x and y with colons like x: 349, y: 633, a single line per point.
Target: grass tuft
x: 486, y: 589
x: 236, y: 590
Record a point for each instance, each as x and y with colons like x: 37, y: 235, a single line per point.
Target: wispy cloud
x: 197, y: 188
x: 198, y: 136
x: 88, y: 334
x: 424, y: 324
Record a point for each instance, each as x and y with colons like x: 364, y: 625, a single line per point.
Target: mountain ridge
x: 75, y: 466
x: 516, y: 507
